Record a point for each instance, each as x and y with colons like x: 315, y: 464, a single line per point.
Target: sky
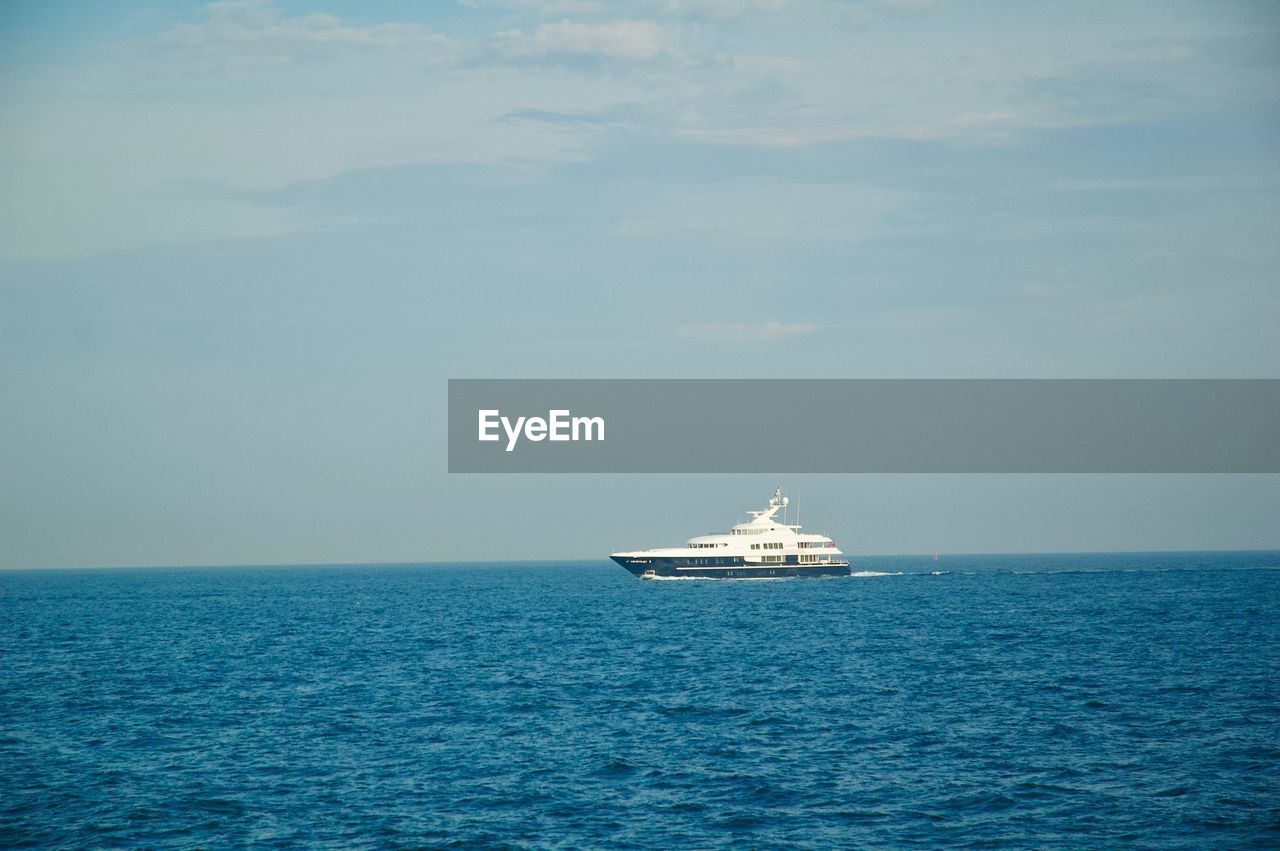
x: 243, y: 246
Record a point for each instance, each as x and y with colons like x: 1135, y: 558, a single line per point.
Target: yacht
x: 762, y: 548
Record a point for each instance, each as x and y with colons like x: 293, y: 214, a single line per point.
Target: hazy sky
x: 243, y: 245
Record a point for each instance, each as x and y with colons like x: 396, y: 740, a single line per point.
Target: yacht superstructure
x: 763, y: 547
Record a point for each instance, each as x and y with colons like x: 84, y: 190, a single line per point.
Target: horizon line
x: 495, y: 561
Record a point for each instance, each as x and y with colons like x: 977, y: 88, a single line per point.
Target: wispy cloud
x: 544, y: 7
x: 724, y: 8
x: 253, y: 96
x: 744, y: 332
x: 632, y: 41
x: 248, y: 34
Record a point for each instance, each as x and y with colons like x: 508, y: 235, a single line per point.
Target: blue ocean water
x: 1004, y: 701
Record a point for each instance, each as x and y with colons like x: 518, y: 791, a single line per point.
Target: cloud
x: 618, y: 115
x: 248, y: 34
x: 629, y: 41
x: 724, y: 8
x: 248, y: 97
x: 744, y: 332
x: 183, y: 135
x: 543, y: 7
x: 676, y: 8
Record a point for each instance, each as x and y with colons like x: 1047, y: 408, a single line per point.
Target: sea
x: 1002, y: 701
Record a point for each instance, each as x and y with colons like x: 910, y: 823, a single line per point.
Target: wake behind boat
x: 761, y: 548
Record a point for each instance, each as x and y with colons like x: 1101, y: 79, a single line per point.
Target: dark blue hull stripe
x: 726, y: 567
